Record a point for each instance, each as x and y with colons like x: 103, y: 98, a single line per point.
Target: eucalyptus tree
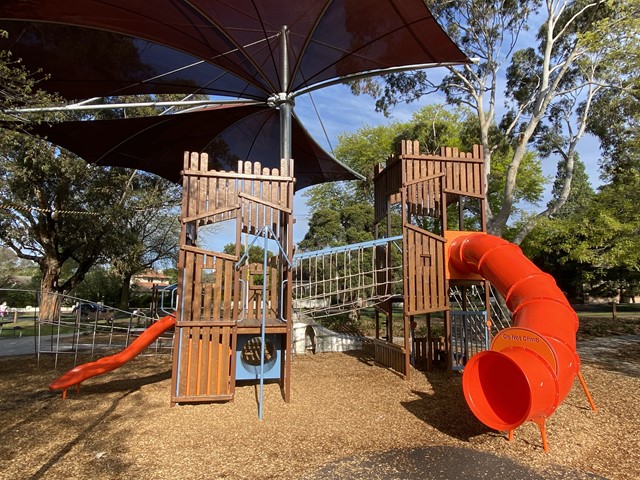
x: 66, y: 215
x: 56, y: 209
x: 615, y: 116
x: 433, y: 126
x: 591, y: 243
x: 547, y: 81
x: 560, y: 243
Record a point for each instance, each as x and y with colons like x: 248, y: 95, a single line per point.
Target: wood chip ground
x: 348, y: 419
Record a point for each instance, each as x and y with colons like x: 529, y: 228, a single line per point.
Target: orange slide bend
x: 532, y: 365
x: 80, y: 373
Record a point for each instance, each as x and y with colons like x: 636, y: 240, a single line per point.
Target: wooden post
x: 430, y: 351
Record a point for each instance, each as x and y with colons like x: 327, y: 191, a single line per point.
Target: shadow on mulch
x: 616, y: 354
x: 436, y: 463
x: 439, y: 408
x: 109, y: 385
x: 85, y: 433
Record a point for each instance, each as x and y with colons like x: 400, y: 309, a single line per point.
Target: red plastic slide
x: 531, y: 366
x: 80, y: 373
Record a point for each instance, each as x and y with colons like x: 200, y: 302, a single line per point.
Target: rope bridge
x: 351, y: 277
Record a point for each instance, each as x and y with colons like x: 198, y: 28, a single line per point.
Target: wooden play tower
x: 232, y: 315
x: 435, y: 196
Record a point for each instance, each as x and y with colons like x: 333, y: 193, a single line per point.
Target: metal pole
x: 264, y: 321
x: 110, y: 106
x: 285, y: 131
x: 285, y: 103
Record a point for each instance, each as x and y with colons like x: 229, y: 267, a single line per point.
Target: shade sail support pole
x: 285, y: 101
x: 285, y: 131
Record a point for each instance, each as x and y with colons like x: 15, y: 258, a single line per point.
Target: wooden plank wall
x: 210, y: 196
x: 261, y: 194
x: 265, y: 194
x: 387, y: 184
x: 206, y: 361
x: 383, y: 276
x: 427, y: 350
x: 425, y: 288
x: 460, y: 173
x: 254, y: 274
x: 391, y: 355
x: 427, y: 179
x: 209, y: 287
x: 212, y: 296
x: 420, y: 183
x: 423, y: 193
x: 463, y: 171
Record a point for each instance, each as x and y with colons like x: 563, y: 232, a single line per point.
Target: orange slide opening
x: 77, y: 375
x: 531, y: 366
x: 499, y: 403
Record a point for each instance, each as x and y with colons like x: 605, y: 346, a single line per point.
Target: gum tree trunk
x: 49, y: 291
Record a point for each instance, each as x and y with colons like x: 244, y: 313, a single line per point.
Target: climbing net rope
x: 352, y: 277
x: 335, y: 280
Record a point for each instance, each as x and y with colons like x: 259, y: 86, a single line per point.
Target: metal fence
x: 80, y: 327
x: 469, y: 335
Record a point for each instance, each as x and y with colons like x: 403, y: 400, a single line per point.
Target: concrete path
x: 15, y: 345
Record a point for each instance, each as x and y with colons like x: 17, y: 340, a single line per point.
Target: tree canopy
x: 57, y: 208
x: 343, y: 213
x: 68, y: 216
x: 548, y: 83
x: 592, y: 247
x: 18, y: 86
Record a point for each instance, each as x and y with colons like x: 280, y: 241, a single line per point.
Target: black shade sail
x: 231, y: 48
x: 228, y: 47
x: 228, y: 133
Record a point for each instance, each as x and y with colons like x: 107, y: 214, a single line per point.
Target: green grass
x: 595, y: 321
x: 624, y: 310
x: 29, y: 329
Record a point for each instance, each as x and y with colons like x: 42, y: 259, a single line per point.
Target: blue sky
x: 342, y: 112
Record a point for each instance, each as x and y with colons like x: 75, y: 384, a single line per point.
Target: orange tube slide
x: 81, y: 373
x: 531, y: 366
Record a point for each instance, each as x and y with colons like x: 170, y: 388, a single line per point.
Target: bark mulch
x: 348, y: 419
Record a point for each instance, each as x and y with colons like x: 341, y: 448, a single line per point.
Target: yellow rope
x: 7, y: 206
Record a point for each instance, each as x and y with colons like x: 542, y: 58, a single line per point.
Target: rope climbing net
x: 351, y: 277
